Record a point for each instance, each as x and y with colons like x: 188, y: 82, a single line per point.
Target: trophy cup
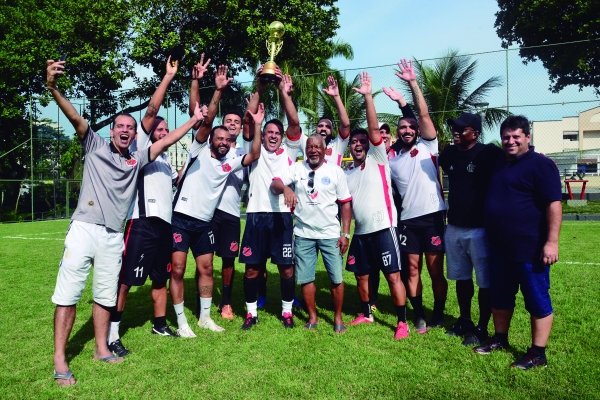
x: 274, y: 44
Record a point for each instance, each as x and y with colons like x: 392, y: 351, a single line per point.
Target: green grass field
x: 270, y: 362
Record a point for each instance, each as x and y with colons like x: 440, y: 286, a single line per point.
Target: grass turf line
x: 269, y: 361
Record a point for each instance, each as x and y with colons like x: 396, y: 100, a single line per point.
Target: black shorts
x: 374, y: 251
x: 268, y: 235
x: 148, y: 247
x: 226, y: 228
x: 192, y: 233
x: 423, y: 234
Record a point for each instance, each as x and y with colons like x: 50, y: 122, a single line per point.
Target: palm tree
x: 446, y: 86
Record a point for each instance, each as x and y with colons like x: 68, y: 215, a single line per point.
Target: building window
x: 572, y: 136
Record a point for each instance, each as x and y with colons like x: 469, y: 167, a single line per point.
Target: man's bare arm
x: 159, y: 96
x: 334, y: 91
x: 407, y: 74
x: 197, y: 73
x: 53, y: 70
x: 554, y: 218
x: 161, y: 145
x: 366, y: 89
x: 285, y: 92
x: 221, y: 82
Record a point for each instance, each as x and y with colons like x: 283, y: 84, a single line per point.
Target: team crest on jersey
x: 471, y: 167
x: 169, y: 267
x: 131, y: 162
x: 414, y: 152
x: 234, y: 246
x: 351, y: 260
x: 278, y: 151
x: 177, y: 237
x: 325, y: 180
x: 436, y: 240
x: 328, y: 151
x: 226, y: 167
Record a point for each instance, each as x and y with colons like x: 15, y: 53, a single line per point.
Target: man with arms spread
x: 523, y: 214
x: 468, y: 165
x: 269, y: 227
x: 202, y: 182
x: 415, y: 173
x: 95, y: 235
x: 375, y: 242
x: 318, y: 188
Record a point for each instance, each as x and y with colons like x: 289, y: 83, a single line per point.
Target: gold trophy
x: 274, y: 44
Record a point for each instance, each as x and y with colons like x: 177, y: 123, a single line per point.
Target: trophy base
x: 268, y: 73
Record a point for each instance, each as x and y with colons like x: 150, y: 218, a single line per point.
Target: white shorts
x: 86, y: 245
x: 467, y: 249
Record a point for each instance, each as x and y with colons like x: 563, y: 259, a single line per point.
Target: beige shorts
x: 86, y: 245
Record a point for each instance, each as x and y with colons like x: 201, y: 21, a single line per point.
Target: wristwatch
x: 346, y: 235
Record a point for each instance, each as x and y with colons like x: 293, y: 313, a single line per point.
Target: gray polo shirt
x: 109, y: 182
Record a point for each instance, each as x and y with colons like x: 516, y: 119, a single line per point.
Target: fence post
x: 31, y: 152
x: 67, y: 200
x: 507, y: 92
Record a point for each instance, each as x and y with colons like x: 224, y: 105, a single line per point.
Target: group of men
x: 503, y: 217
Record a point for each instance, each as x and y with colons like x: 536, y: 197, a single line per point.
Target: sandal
x: 310, y: 327
x: 339, y: 329
x: 65, y: 377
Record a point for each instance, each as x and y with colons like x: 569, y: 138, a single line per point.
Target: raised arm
x: 197, y: 73
x: 554, y: 219
x: 367, y: 91
x: 393, y: 94
x: 258, y: 118
x: 334, y: 91
x: 159, y: 95
x: 285, y: 91
x: 161, y: 145
x: 53, y: 70
x: 221, y: 82
x: 252, y: 107
x: 407, y: 74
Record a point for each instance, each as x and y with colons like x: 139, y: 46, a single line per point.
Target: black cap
x: 466, y: 119
x: 385, y: 126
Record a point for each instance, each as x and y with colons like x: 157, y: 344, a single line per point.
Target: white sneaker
x: 186, y: 332
x: 210, y: 324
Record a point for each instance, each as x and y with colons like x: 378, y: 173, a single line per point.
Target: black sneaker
x: 461, y: 328
x: 437, y: 321
x: 530, y: 360
x: 118, y: 349
x: 163, y: 331
x: 477, y: 337
x: 288, y: 320
x: 492, y: 345
x: 249, y: 322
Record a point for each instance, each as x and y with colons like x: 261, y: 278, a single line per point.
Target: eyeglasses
x: 311, y: 184
x: 462, y: 130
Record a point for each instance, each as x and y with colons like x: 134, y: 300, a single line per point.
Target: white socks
x: 205, y: 303
x: 252, y: 309
x: 113, y: 333
x: 181, y: 319
x: 286, y: 306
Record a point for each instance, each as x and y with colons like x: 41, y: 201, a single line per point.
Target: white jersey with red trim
x: 370, y: 185
x: 261, y: 173
x: 204, y: 180
x: 154, y: 195
x: 415, y: 173
x: 229, y: 201
x: 334, y: 152
x: 318, y: 192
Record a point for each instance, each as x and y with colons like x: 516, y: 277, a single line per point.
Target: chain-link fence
x: 565, y: 125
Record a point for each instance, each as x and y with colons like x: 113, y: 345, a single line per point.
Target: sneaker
x: 421, y: 325
x: 118, y: 349
x: 436, y: 321
x: 401, y: 330
x: 249, y: 322
x: 461, y: 327
x: 361, y: 319
x: 210, y: 324
x: 163, y: 331
x: 186, y: 332
x: 476, y: 337
x: 530, y: 360
x: 262, y: 302
x: 226, y: 312
x: 288, y: 320
x: 492, y: 345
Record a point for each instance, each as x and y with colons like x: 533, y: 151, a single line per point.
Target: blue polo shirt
x: 515, y: 205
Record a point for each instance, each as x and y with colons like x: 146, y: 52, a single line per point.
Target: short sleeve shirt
x: 371, y: 190
x: 109, y: 182
x: 317, y: 211
x: 229, y: 201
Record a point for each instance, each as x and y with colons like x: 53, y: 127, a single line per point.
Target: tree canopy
x: 539, y: 23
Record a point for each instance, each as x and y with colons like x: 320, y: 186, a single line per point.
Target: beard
x: 409, y: 145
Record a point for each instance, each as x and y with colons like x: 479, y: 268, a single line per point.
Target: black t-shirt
x: 469, y: 174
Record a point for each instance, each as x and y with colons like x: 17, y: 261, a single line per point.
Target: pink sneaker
x: 401, y: 331
x: 361, y: 319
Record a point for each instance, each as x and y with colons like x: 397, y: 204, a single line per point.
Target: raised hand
x: 221, y: 79
x: 200, y: 69
x: 333, y: 89
x: 198, y: 112
x: 259, y: 116
x: 171, y: 68
x: 53, y: 70
x: 204, y: 111
x: 393, y: 94
x: 286, y: 85
x: 365, y: 84
x: 407, y: 73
